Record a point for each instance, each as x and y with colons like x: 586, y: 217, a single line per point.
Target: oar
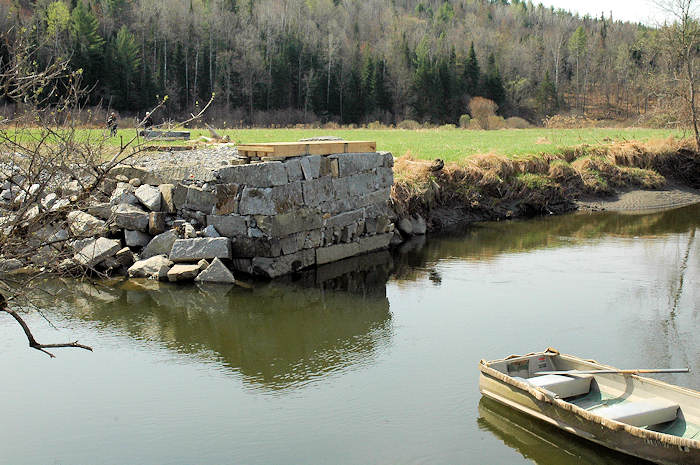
x: 624, y: 372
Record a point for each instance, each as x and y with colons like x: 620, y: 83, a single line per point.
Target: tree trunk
x: 691, y: 85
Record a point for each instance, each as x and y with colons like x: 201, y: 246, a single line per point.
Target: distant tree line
x: 349, y: 61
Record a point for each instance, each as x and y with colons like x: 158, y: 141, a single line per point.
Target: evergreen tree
x: 547, y: 98
x: 127, y: 61
x: 472, y: 74
x: 493, y: 83
x: 87, y: 44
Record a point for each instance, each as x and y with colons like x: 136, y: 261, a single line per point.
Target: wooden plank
x: 295, y: 149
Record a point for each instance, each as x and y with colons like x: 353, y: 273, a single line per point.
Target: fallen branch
x: 33, y: 343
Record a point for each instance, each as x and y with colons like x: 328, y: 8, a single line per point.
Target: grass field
x: 448, y: 144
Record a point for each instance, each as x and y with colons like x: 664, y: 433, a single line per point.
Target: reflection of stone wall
x: 283, y: 216
x: 277, y: 334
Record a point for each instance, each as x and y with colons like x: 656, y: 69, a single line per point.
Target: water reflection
x: 490, y: 240
x: 542, y: 443
x: 278, y: 335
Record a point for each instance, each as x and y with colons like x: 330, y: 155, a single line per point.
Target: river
x: 368, y: 361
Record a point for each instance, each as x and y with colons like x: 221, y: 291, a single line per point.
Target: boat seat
x: 563, y: 386
x: 642, y: 413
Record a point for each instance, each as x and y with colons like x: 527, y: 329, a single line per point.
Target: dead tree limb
x: 33, y: 343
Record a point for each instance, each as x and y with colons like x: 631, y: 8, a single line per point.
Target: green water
x: 369, y: 361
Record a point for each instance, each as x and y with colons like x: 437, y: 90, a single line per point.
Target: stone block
x: 344, y: 219
x: 229, y: 225
x: 160, y: 245
x: 354, y: 163
x: 329, y: 167
x: 248, y: 247
x: 317, y: 191
x: 226, y: 199
x: 363, y: 245
x: 200, y: 200
x: 271, y: 201
x: 100, y: 210
x: 131, y: 217
x: 84, y: 224
x: 268, y: 174
x: 123, y: 193
x: 187, y: 250
x: 384, y: 177
x: 166, y: 194
x: 293, y: 167
x: 210, y: 231
x: 274, y: 267
x: 310, y: 166
x: 154, y: 268
x: 361, y: 184
x: 96, y: 250
x: 387, y: 159
x: 180, y: 196
x: 292, y: 244
x: 136, y: 238
x: 185, y: 272
x: 289, y: 223
x: 149, y: 196
x: 217, y: 272
x: 156, y: 223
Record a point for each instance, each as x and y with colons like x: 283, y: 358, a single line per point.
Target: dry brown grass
x: 596, y: 170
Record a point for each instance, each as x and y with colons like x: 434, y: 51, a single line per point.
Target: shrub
x: 482, y: 109
x: 408, y: 124
x: 516, y: 122
x: 464, y: 121
x: 448, y: 126
x: 496, y: 122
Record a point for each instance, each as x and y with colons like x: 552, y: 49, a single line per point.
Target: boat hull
x: 622, y: 438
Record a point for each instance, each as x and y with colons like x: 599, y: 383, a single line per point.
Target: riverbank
x: 618, y: 176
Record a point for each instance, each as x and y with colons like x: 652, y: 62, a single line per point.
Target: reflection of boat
x: 541, y: 442
x: 638, y: 416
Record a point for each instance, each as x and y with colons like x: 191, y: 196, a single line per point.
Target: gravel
x: 209, y: 157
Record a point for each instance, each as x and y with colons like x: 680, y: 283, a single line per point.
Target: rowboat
x: 635, y: 415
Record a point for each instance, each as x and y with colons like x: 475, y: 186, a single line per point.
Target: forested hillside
x: 349, y: 61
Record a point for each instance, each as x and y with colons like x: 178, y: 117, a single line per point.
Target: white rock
x: 84, y: 224
x: 136, y: 238
x: 182, y: 272
x: 155, y: 268
x: 123, y: 193
x: 48, y: 201
x: 149, y: 196
x: 97, y: 250
x: 217, y: 272
x: 160, y: 244
x: 210, y: 231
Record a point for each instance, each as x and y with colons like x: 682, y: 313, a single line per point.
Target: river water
x: 368, y: 361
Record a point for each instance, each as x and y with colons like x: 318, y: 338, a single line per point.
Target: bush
x: 482, y: 109
x: 516, y: 122
x: 408, y: 124
x: 464, y: 121
x: 496, y: 122
x: 447, y: 126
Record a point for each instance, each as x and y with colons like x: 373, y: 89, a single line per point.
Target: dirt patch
x: 640, y: 200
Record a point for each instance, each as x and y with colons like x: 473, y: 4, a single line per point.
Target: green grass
x: 448, y: 144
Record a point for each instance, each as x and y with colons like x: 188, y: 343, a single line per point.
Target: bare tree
x: 682, y: 39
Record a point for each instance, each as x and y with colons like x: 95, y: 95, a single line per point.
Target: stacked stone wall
x: 279, y: 216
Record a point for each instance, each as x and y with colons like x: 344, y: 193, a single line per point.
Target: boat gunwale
x: 543, y: 396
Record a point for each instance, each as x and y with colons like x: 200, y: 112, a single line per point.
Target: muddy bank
x: 640, y: 200
x: 622, y: 176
